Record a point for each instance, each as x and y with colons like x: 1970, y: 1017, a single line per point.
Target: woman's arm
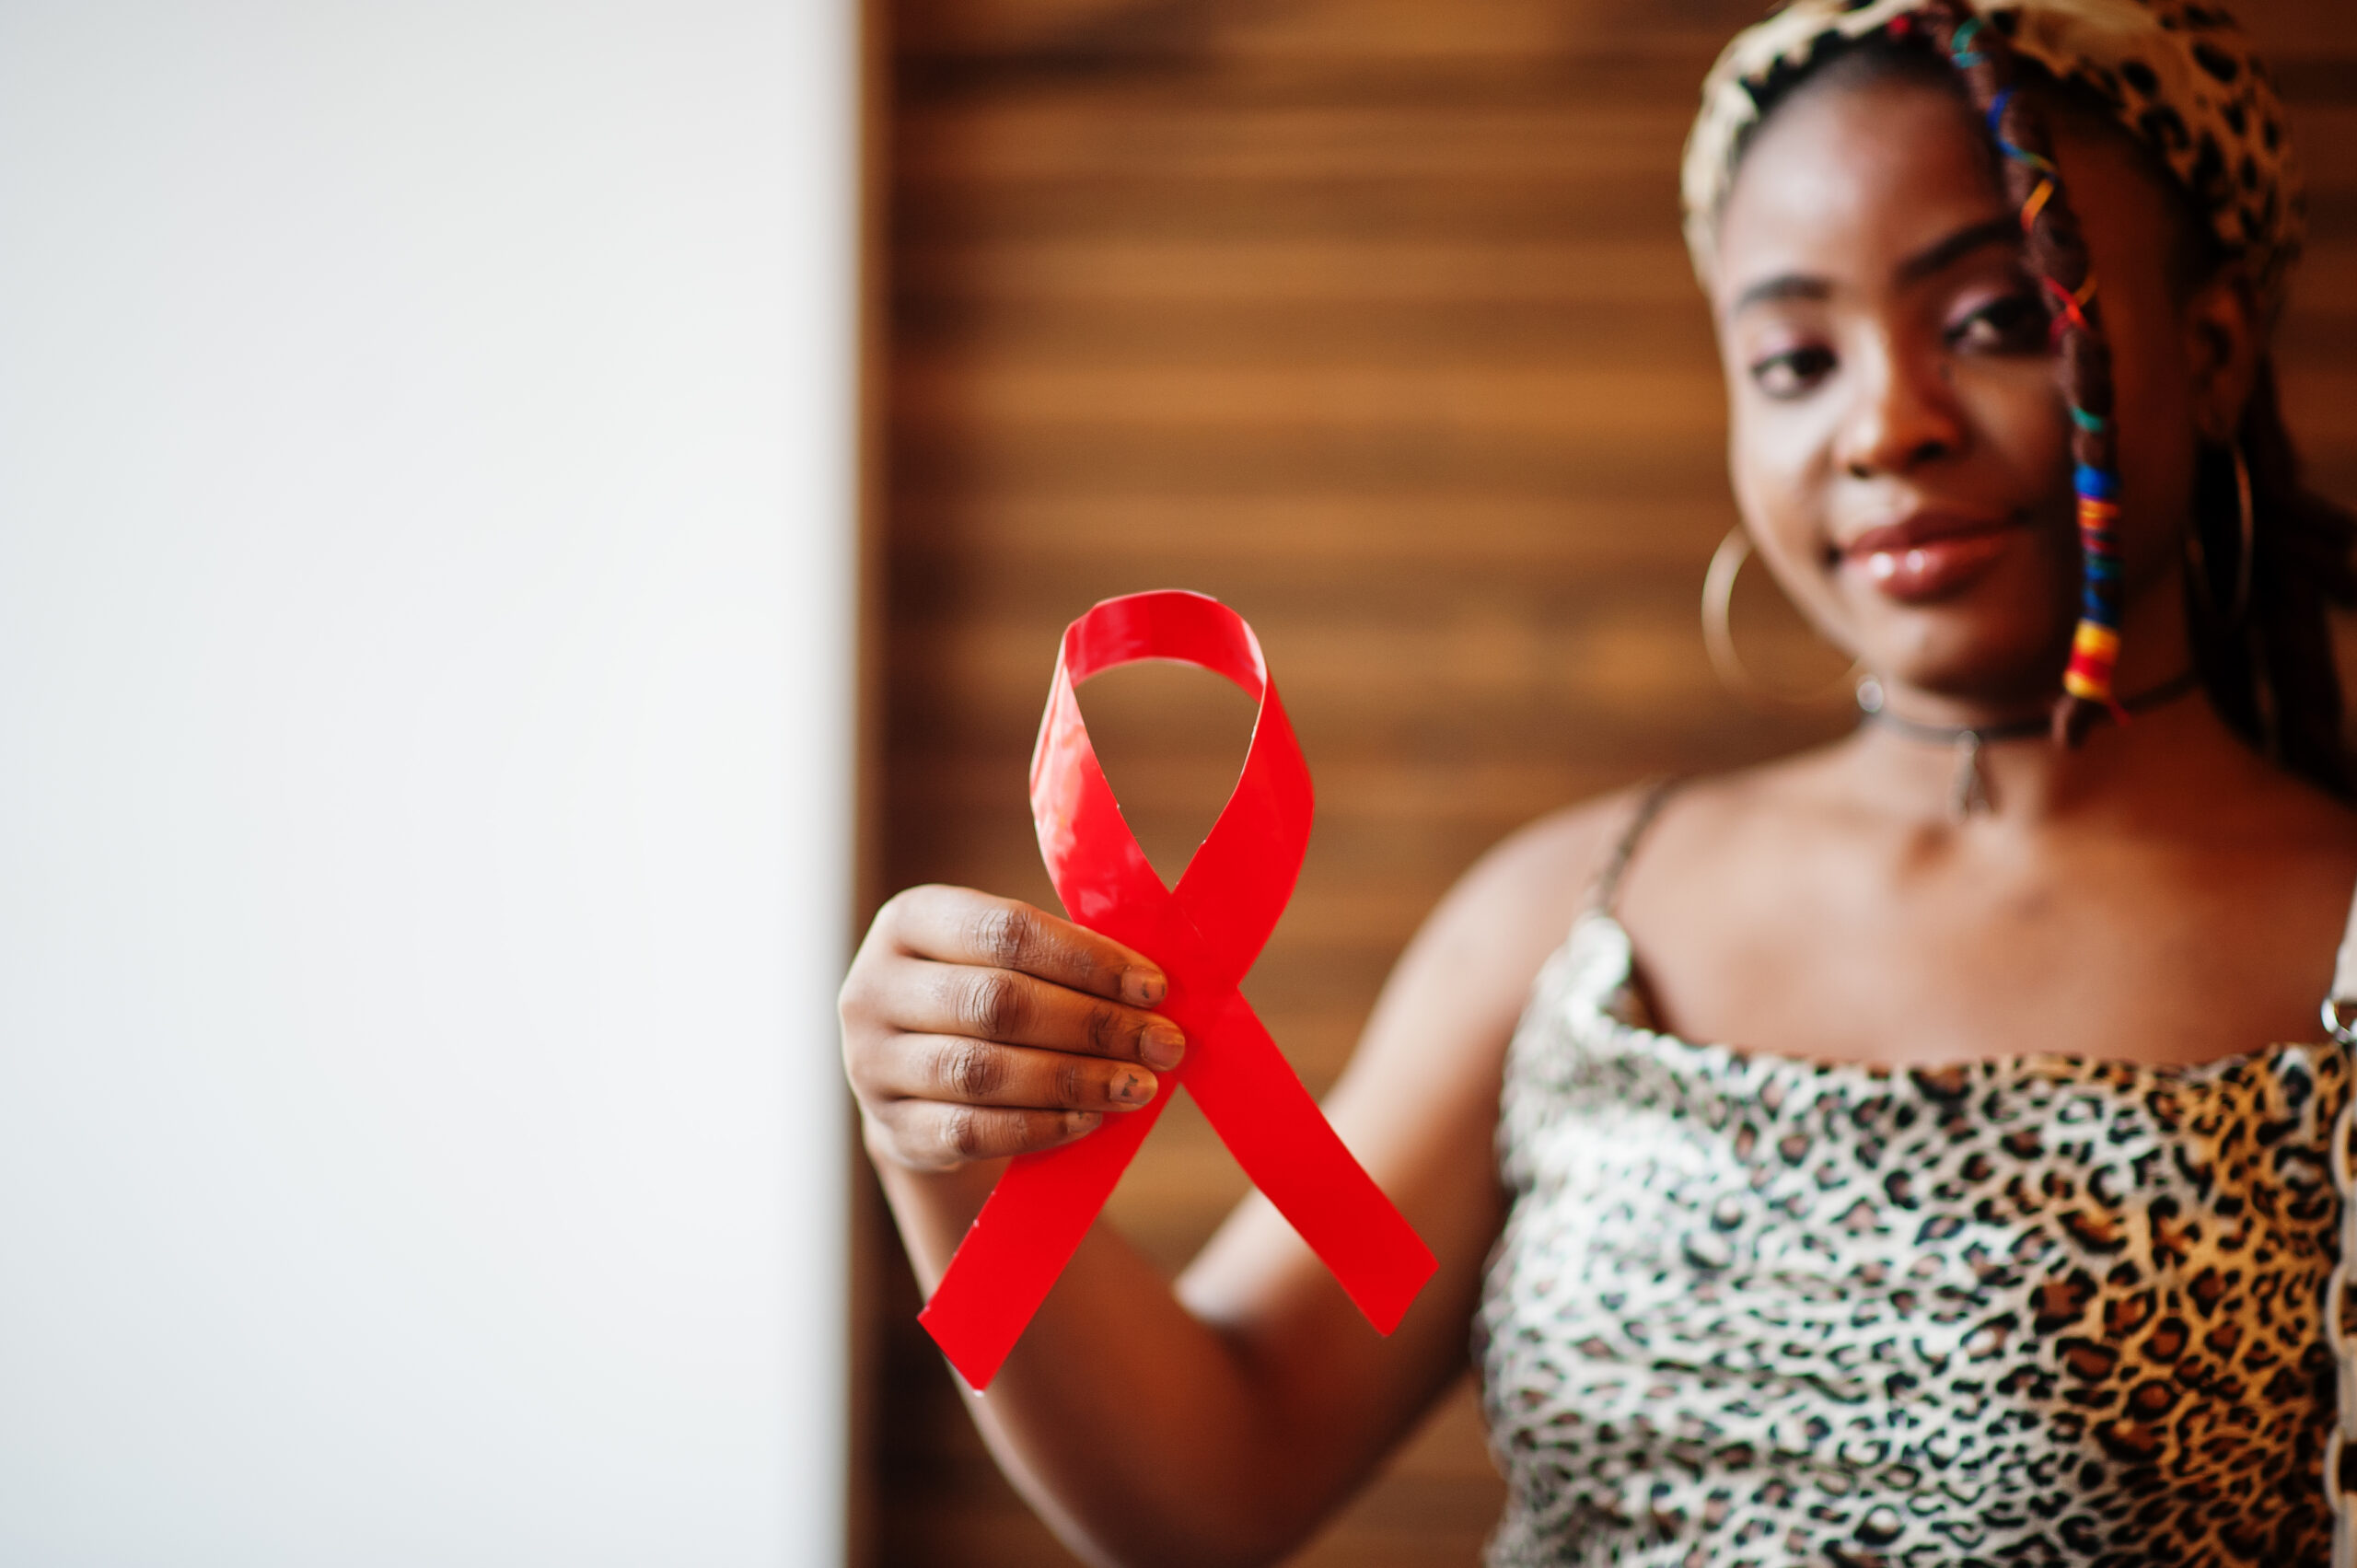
x: 1218, y: 1423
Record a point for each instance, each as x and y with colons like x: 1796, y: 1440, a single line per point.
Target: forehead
x: 1846, y: 176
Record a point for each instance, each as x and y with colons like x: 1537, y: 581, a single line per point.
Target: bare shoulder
x: 1462, y: 980
x: 1521, y: 897
x: 1795, y: 786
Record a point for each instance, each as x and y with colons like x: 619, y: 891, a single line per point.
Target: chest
x: 1870, y: 959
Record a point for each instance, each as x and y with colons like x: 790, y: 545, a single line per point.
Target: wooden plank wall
x: 1371, y: 317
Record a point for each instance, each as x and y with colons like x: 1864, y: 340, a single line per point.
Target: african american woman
x: 2006, y: 1232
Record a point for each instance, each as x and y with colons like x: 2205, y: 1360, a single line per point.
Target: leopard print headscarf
x: 2180, y: 77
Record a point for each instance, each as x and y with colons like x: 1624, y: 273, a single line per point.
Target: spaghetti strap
x: 1605, y: 890
x: 2341, y: 1001
x: 2340, y: 1024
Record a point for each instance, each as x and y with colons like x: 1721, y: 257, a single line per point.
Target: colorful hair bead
x: 2094, y: 644
x: 1960, y: 47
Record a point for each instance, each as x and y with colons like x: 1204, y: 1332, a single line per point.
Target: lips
x: 1930, y: 555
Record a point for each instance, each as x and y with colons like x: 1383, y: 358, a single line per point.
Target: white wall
x: 424, y: 556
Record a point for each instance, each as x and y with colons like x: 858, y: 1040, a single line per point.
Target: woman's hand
x: 975, y: 1027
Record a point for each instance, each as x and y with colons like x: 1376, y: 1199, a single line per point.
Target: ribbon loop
x: 1206, y: 933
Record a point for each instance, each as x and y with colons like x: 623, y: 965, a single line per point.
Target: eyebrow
x: 1932, y: 258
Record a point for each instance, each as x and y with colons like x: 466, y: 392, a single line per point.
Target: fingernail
x: 1143, y: 988
x: 1079, y: 1121
x: 1133, y: 1088
x: 1162, y: 1045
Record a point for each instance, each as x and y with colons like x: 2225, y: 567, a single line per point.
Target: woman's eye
x: 2014, y: 323
x: 1792, y: 372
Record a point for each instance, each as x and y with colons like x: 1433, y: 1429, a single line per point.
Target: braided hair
x: 2057, y: 253
x: 2260, y: 596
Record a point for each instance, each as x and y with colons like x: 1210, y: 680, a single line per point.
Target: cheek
x: 1775, y: 462
x: 2017, y: 411
x: 1778, y: 465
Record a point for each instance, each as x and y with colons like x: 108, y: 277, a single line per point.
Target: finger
x: 941, y: 1134
x: 1017, y: 1009
x: 957, y: 925
x: 953, y: 1069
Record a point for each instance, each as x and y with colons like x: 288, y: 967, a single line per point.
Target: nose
x: 1905, y: 414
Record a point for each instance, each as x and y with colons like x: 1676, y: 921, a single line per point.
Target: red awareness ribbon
x: 1204, y: 933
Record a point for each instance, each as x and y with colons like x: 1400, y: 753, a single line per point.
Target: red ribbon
x: 1204, y: 933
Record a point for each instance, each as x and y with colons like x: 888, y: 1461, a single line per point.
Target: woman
x: 2004, y: 1237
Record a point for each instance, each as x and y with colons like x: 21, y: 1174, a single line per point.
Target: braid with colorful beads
x: 2057, y: 254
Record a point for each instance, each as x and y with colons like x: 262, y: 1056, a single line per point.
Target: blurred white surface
x: 424, y: 596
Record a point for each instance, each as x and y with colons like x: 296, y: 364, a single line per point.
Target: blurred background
x: 1371, y: 317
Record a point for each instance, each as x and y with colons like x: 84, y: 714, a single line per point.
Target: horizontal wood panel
x: 1240, y: 33
x: 1071, y: 271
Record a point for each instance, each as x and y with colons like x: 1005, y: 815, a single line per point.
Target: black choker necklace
x: 1970, y: 794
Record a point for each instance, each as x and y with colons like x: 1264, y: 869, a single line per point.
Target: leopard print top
x: 1753, y: 1311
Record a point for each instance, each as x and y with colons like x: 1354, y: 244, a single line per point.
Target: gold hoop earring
x: 1718, y: 637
